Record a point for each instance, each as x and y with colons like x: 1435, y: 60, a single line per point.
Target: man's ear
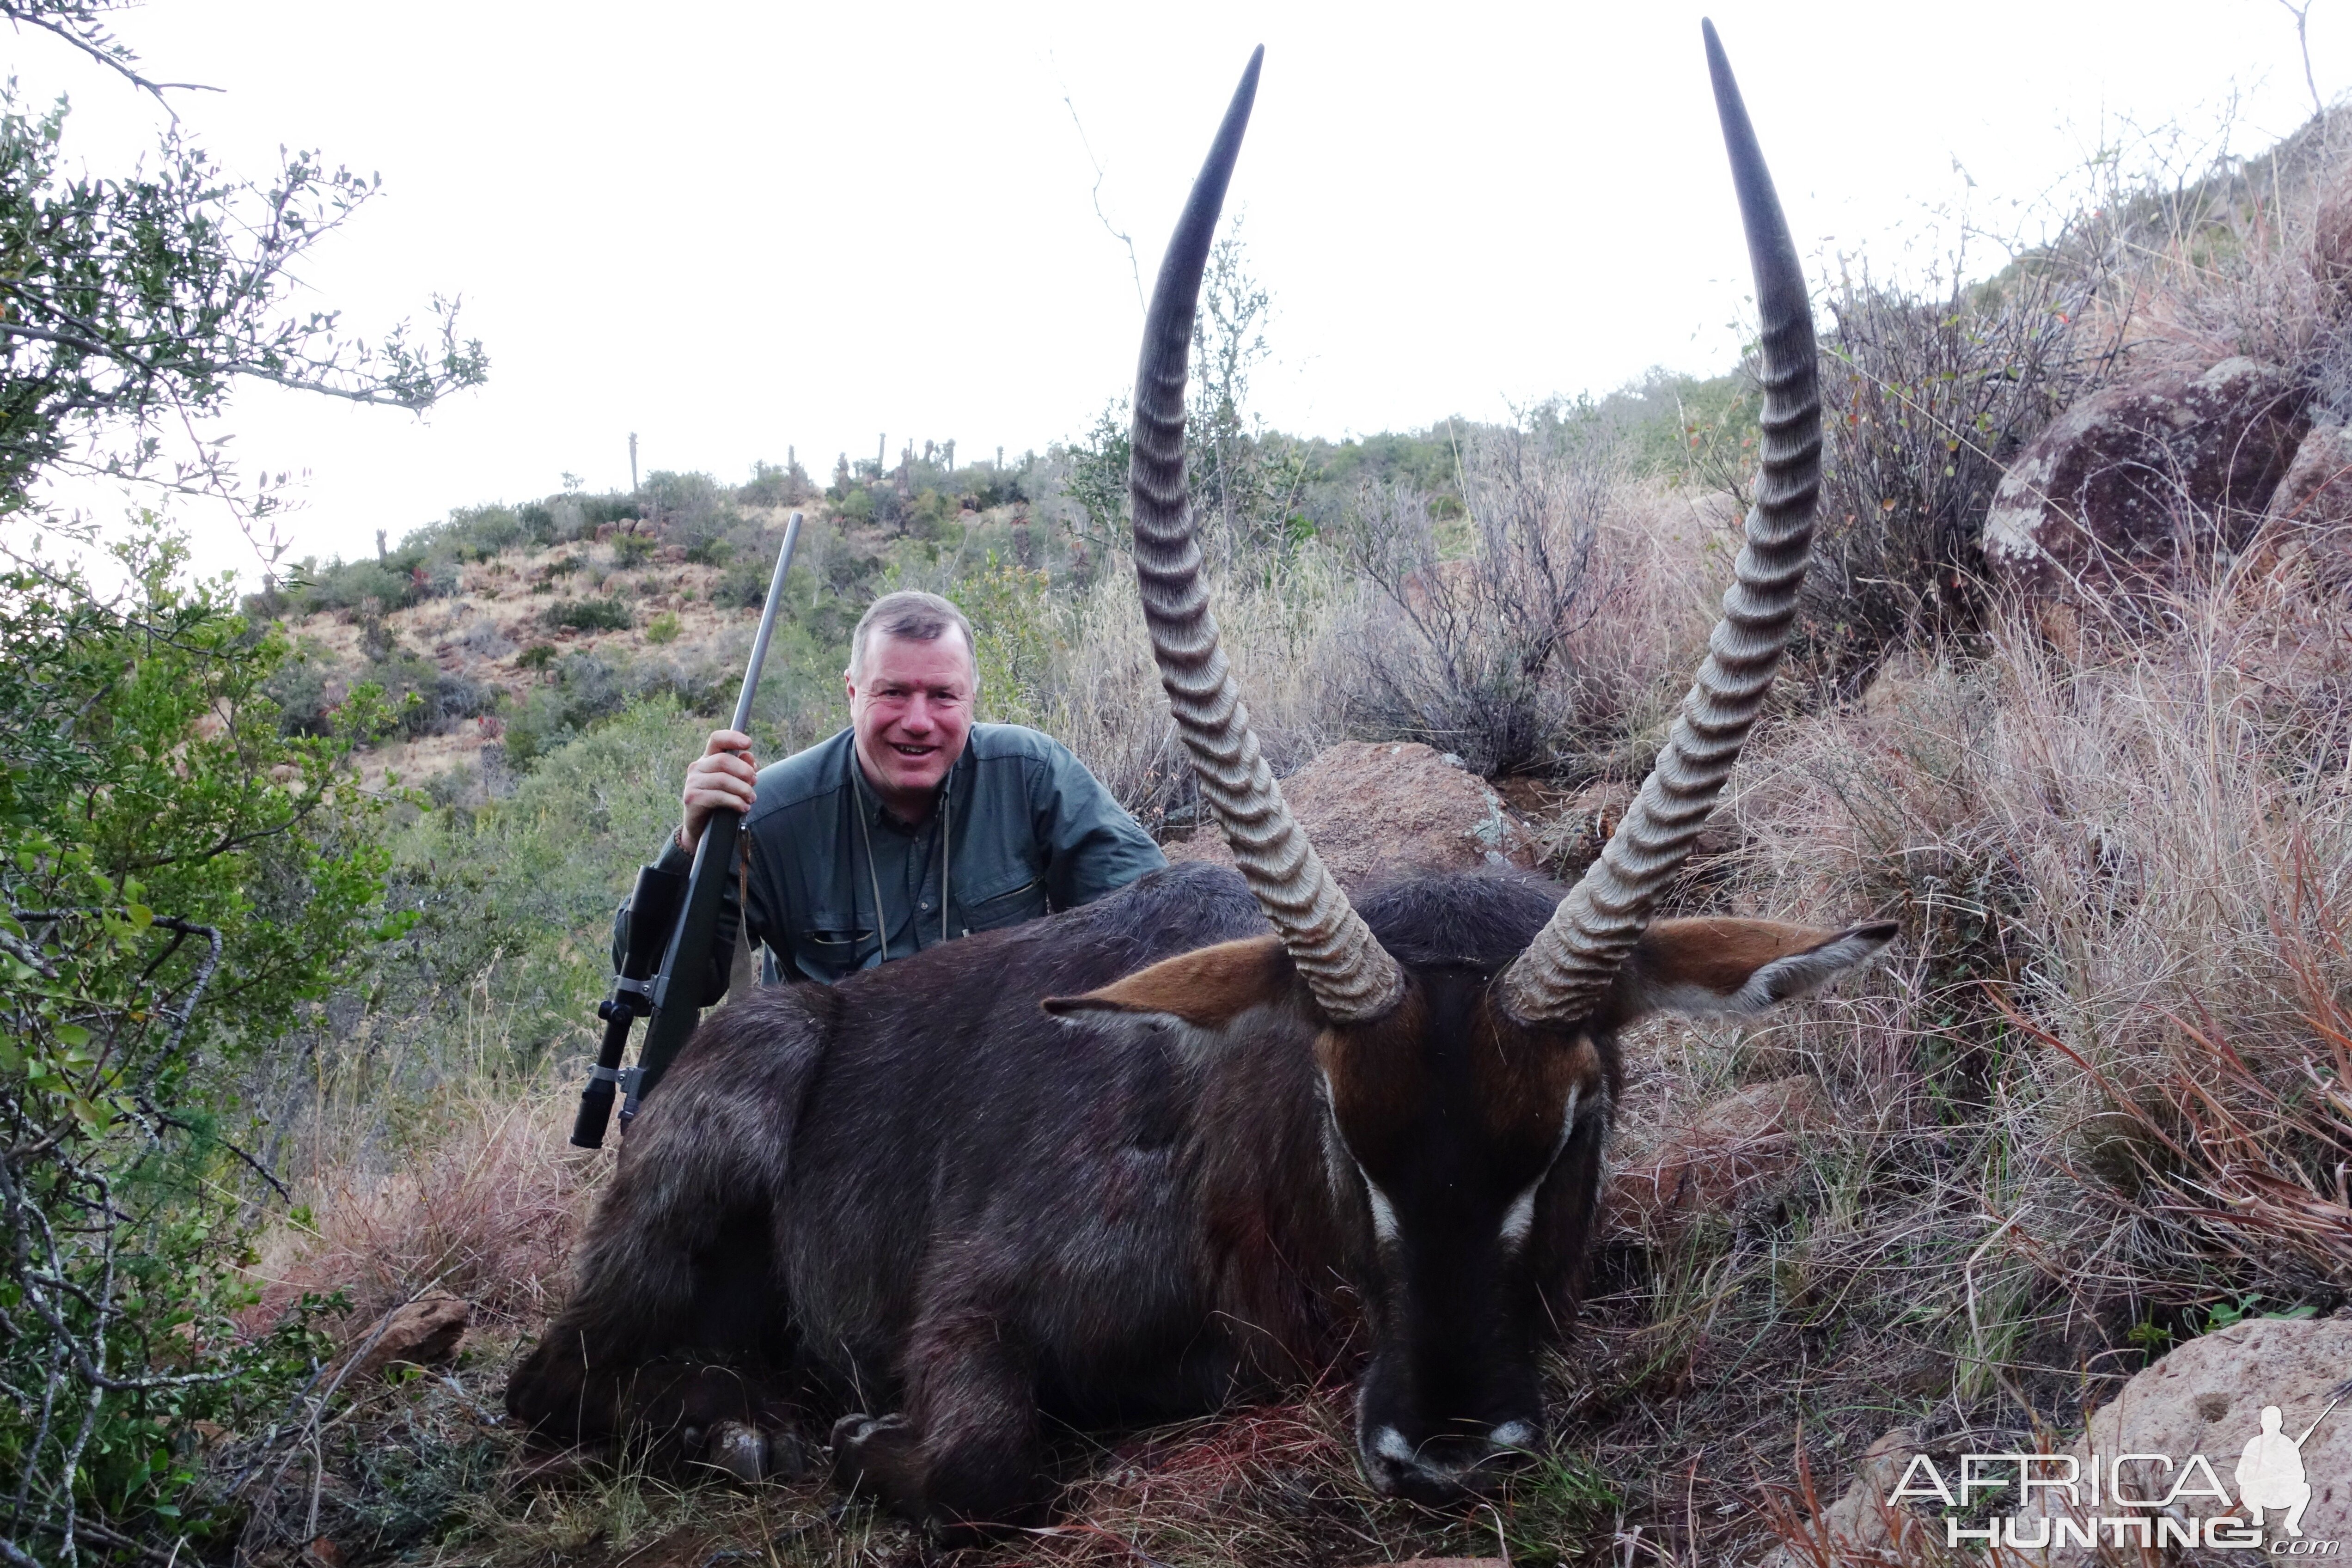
x: 1208, y: 987
x: 1706, y: 966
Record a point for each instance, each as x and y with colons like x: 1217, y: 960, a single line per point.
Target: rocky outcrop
x: 2207, y: 1398
x: 2310, y: 517
x: 2133, y: 480
x: 1375, y: 809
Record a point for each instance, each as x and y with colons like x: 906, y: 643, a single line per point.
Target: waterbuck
x: 1209, y: 1133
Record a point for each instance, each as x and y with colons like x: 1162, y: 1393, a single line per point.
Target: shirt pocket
x: 1024, y: 900
x: 834, y: 945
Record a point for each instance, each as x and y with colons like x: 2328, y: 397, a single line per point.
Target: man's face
x: 910, y: 706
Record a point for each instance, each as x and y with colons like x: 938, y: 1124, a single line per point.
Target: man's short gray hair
x: 914, y: 614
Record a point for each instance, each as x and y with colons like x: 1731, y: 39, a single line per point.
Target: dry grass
x: 487, y: 1205
x: 1099, y: 693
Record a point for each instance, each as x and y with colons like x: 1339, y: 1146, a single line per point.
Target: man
x: 913, y: 826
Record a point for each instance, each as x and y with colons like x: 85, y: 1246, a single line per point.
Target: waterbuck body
x: 919, y: 1193
x: 1220, y: 1130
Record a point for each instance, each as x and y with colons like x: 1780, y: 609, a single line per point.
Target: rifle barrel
x: 767, y: 623
x: 678, y: 997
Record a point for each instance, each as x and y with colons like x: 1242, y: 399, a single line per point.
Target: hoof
x: 739, y: 1450
x: 855, y: 1439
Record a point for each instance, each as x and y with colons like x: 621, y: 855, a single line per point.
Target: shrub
x: 209, y: 878
x: 1925, y: 402
x: 588, y: 615
x: 1473, y: 642
x: 300, y: 688
x: 662, y: 629
x: 743, y: 585
x: 688, y: 508
x: 631, y: 550
x: 346, y: 585
x: 772, y: 486
x: 487, y: 530
x: 536, y: 657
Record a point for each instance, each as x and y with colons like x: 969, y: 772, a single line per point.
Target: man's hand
x: 723, y: 778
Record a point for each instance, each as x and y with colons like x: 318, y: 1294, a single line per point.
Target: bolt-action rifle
x: 672, y: 919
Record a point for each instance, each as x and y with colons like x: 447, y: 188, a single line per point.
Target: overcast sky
x: 736, y: 229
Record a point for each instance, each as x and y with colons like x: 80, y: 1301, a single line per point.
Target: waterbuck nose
x: 1443, y: 1468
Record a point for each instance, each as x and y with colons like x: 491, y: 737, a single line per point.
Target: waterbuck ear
x: 1701, y: 967
x: 1207, y: 989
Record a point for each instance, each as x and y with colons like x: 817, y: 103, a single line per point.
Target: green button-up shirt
x: 836, y: 884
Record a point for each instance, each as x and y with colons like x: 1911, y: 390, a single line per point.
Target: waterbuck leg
x: 965, y: 1458
x: 678, y: 1266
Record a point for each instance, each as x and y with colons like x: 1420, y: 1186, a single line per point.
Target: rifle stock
x: 677, y: 917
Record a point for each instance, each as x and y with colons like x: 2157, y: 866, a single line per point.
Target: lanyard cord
x: 881, y: 923
x: 946, y: 856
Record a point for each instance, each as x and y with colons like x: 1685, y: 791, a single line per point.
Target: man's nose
x: 918, y: 716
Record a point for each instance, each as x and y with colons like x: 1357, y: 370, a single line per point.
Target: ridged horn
x: 1351, y: 977
x: 1561, y: 975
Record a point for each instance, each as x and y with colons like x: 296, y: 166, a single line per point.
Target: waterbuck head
x: 1465, y: 1037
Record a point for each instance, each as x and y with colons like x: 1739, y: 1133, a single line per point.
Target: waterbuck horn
x: 1563, y: 972
x: 1351, y: 977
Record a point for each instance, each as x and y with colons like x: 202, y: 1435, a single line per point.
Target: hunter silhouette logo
x: 2088, y: 1503
x: 2270, y: 1472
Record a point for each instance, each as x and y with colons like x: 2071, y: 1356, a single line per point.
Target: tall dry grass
x: 2125, y: 879
x: 483, y: 1200
x: 1099, y: 692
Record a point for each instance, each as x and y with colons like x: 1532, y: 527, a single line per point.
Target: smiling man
x: 913, y: 826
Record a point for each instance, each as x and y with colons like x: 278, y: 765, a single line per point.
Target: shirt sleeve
x: 721, y: 957
x: 1092, y: 845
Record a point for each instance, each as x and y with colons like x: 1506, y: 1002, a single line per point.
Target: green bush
x: 588, y: 615
x: 347, y: 585
x: 743, y: 585
x: 488, y: 530
x: 632, y: 550
x: 215, y: 876
x: 662, y: 629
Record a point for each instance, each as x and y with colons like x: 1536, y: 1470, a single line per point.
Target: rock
x: 1735, y: 1153
x: 424, y: 1332
x: 1374, y: 808
x: 2207, y: 1398
x: 2331, y: 241
x: 2310, y: 513
x: 1860, y: 1522
x: 2133, y: 479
